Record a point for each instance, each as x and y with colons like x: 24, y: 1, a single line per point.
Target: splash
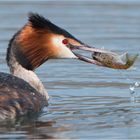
x: 132, y: 89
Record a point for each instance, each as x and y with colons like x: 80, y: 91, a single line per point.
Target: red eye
x: 65, y: 41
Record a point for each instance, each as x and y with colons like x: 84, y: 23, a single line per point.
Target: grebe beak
x: 90, y: 49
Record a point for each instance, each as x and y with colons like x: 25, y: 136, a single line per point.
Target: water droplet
x: 137, y: 84
x: 132, y: 91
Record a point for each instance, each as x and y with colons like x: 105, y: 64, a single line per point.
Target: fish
x: 114, y: 60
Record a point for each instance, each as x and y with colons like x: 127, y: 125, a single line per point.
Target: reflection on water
x: 86, y: 101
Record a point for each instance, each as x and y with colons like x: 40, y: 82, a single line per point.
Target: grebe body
x: 18, y: 97
x: 22, y: 92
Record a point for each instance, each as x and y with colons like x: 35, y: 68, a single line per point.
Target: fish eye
x: 65, y: 41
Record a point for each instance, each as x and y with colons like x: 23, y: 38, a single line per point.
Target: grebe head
x: 40, y: 40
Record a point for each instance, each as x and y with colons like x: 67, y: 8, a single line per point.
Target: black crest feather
x: 39, y: 22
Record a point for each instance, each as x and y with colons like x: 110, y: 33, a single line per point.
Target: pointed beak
x: 89, y: 49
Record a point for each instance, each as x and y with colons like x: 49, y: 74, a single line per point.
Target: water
x: 87, y: 101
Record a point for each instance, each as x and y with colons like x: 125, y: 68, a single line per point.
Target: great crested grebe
x: 21, y: 92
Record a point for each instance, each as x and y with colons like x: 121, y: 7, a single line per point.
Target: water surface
x: 86, y: 101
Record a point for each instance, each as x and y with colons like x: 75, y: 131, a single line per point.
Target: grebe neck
x: 29, y: 76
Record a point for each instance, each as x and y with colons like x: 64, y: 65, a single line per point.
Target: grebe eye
x: 65, y: 41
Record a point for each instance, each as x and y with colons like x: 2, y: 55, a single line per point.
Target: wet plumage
x: 17, y: 97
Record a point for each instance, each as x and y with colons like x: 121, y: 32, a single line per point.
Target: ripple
x: 86, y: 101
